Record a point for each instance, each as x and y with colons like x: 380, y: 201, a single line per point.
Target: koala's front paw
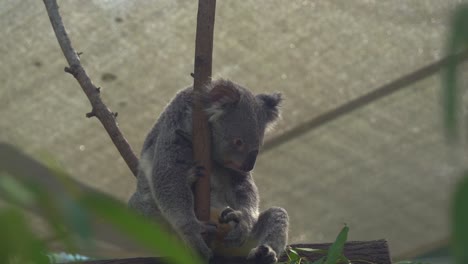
x: 263, y: 254
x: 239, y: 232
x: 195, y: 173
x: 229, y: 214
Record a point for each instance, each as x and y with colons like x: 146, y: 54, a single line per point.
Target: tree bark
x: 201, y: 130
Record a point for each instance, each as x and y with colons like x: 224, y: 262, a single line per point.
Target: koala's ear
x: 221, y: 94
x: 270, y: 105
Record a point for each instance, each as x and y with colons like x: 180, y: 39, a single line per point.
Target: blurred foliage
x: 452, y: 94
x: 457, y: 42
x: 68, y: 212
x: 460, y: 222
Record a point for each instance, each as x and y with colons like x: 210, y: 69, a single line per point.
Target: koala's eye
x: 238, y: 142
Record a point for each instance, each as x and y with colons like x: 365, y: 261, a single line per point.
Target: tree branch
x: 99, y: 109
x: 202, y: 77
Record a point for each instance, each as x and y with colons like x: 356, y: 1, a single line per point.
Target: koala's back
x: 164, y: 146
x: 176, y: 115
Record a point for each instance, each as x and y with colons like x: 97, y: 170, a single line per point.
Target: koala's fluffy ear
x: 270, y: 105
x: 222, y: 93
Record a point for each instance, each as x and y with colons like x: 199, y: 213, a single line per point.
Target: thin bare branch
x: 378, y: 93
x: 99, y: 109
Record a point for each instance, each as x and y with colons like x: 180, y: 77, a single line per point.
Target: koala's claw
x: 228, y: 215
x: 263, y: 254
x: 222, y: 218
x: 199, y: 171
x: 195, y: 173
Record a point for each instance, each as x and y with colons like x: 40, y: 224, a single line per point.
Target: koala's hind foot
x: 229, y: 214
x: 262, y: 254
x: 271, y: 232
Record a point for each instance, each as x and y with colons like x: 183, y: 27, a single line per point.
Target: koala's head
x: 238, y: 121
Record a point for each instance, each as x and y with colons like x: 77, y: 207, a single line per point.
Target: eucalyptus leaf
x: 336, y: 249
x: 293, y: 255
x: 321, y: 260
x: 313, y: 250
x: 344, y: 259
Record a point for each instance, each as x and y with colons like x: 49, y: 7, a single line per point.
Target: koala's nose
x: 249, y: 162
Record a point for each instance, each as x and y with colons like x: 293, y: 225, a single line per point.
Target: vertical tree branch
x: 99, y: 109
x: 201, y: 131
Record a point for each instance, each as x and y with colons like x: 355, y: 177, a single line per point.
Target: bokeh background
x: 382, y: 169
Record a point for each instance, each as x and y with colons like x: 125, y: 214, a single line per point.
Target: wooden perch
x: 99, y: 109
x: 201, y: 130
x: 368, y: 252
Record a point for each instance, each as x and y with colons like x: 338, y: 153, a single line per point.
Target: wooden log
x: 375, y: 251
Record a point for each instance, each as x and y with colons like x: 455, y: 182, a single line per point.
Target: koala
x: 167, y: 173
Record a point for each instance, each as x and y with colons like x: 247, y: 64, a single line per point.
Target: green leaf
x: 67, y: 207
x: 344, y: 259
x: 12, y: 189
x: 78, y: 220
x: 56, y: 216
x: 321, y: 260
x: 139, y: 228
x: 18, y: 242
x: 460, y: 221
x: 21, y: 193
x: 336, y: 249
x: 293, y: 255
x: 313, y: 250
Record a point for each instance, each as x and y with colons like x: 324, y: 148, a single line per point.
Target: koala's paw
x: 230, y: 215
x: 195, y: 173
x: 263, y: 254
x: 239, y: 232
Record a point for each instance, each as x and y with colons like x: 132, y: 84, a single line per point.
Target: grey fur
x: 164, y: 188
